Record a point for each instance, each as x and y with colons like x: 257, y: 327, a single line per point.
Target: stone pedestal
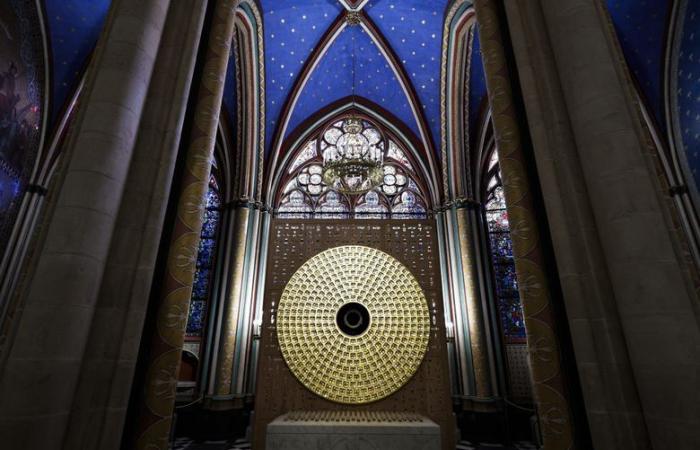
x: 352, y: 430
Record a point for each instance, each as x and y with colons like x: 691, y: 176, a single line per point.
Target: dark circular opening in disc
x: 352, y: 319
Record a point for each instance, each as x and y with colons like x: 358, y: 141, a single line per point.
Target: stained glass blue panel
x: 502, y: 260
x: 205, y: 261
x: 506, y: 283
x: 195, y: 320
x: 497, y: 221
x: 213, y: 200
x: 211, y: 224
x: 501, y: 248
x: 206, y: 253
x: 512, y: 318
x: 201, y: 284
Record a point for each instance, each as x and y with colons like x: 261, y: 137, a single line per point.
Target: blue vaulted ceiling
x: 477, y: 88
x: 687, y: 93
x: 333, y: 79
x: 295, y: 31
x: 414, y: 30
x: 73, y: 29
x: 645, y: 29
x: 229, y: 101
x: 291, y: 33
x: 642, y: 30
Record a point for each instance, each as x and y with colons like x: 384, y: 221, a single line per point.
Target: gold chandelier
x: 353, y: 165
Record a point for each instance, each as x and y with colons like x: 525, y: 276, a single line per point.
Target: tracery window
x: 501, y: 246
x: 305, y: 195
x: 205, y: 263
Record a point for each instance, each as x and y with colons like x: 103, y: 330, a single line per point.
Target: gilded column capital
x: 459, y: 203
x: 248, y: 203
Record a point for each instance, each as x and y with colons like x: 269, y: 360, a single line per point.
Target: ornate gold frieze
x: 354, y: 416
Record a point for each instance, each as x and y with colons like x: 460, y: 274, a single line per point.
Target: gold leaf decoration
x: 353, y: 369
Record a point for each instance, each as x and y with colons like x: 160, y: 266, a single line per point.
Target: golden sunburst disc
x: 353, y: 324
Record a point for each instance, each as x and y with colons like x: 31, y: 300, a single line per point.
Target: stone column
x: 155, y: 418
x: 483, y: 380
x: 232, y: 309
x: 43, y: 358
x: 99, y: 409
x: 472, y: 350
x: 631, y: 304
x: 473, y: 354
x: 550, y: 392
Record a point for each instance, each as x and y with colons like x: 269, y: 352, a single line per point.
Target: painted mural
x: 21, y: 104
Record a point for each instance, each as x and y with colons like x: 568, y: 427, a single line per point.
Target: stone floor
x: 188, y: 444
x: 241, y: 444
x: 466, y: 445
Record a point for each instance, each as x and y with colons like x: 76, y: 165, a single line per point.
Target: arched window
x: 205, y: 263
x: 501, y: 247
x: 305, y: 195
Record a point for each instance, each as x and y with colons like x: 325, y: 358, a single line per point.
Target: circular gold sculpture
x: 353, y: 324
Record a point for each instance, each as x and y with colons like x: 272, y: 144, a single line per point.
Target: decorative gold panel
x: 292, y: 244
x: 338, y: 366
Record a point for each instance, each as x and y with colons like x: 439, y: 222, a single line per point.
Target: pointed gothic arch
x: 241, y: 143
x: 247, y: 49
x: 347, y: 18
x: 305, y: 194
x: 458, y: 39
x: 423, y: 160
x: 672, y: 151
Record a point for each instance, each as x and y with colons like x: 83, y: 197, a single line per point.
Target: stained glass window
x: 305, y: 195
x: 501, y: 246
x: 205, y: 262
x: 371, y: 207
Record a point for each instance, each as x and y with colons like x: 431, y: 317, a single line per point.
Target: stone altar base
x: 352, y: 430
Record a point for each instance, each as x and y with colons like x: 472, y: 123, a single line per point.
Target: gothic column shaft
x: 57, y: 298
x: 233, y: 305
x: 612, y: 404
x: 102, y: 397
x: 544, y: 349
x: 631, y: 307
x: 155, y: 418
x: 477, y: 318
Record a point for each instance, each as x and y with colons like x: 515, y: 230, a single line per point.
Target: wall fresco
x: 21, y: 105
